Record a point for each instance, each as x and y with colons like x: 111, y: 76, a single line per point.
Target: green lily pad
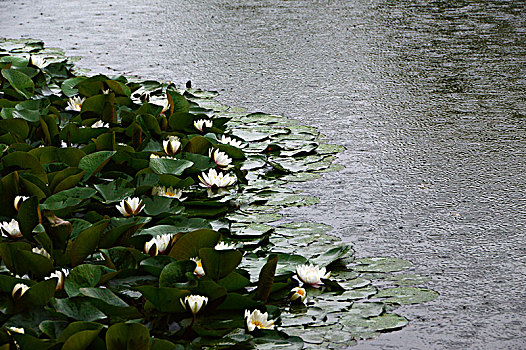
x: 407, y: 295
x: 380, y: 264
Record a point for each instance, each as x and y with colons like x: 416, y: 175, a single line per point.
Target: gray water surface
x: 428, y: 97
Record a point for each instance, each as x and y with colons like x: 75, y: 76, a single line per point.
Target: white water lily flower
x: 100, y: 124
x: 16, y: 330
x: 18, y: 290
x: 224, y: 246
x: 220, y: 158
x: 153, y: 156
x: 18, y: 201
x: 172, y: 145
x: 158, y: 245
x: 217, y: 179
x: 199, y: 124
x: 75, y: 103
x: 257, y: 319
x: 199, y: 271
x: 194, y: 303
x: 61, y: 275
x: 41, y: 251
x: 298, y: 293
x: 312, y: 275
x: 11, y: 228
x: 130, y: 206
x: 39, y: 62
x: 231, y: 141
x: 169, y: 192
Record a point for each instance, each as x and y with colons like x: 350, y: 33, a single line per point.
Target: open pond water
x: 428, y: 97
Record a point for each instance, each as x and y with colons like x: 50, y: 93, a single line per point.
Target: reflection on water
x: 428, y: 97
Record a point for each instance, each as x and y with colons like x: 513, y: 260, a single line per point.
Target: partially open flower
x: 158, y: 245
x: 130, y: 206
x: 172, y: 145
x: 298, y: 293
x: 41, y: 251
x: 194, y: 303
x: 61, y: 275
x: 18, y: 290
x: 169, y: 192
x: 11, y: 228
x: 217, y: 179
x: 199, y: 271
x: 39, y: 62
x: 224, y: 246
x: 18, y: 201
x: 100, y: 124
x: 220, y: 158
x: 75, y: 103
x: 257, y: 319
x: 312, y: 275
x: 231, y: 141
x: 201, y: 123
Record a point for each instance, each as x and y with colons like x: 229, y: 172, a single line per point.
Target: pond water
x: 428, y: 97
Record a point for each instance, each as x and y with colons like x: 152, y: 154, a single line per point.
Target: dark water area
x: 428, y: 97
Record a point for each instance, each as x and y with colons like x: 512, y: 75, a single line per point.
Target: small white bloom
x: 257, y: 319
x: 169, y: 192
x: 194, y: 303
x: 224, y: 246
x: 298, y: 293
x: 75, y: 103
x: 100, y: 124
x: 220, y: 158
x: 199, y: 124
x: 130, y: 206
x: 199, y: 271
x: 19, y: 200
x: 312, y: 275
x: 41, y: 251
x: 217, y: 179
x: 106, y: 92
x: 158, y: 245
x: 18, y: 290
x: 16, y: 330
x: 231, y: 141
x: 11, y: 228
x: 39, y: 62
x: 172, y: 145
x: 61, y: 275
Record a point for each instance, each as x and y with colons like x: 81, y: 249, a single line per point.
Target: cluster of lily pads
x: 138, y: 213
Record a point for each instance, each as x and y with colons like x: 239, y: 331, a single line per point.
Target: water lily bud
x: 199, y: 271
x: 158, y: 245
x: 172, y: 145
x: 18, y: 201
x: 194, y: 303
x: 257, y: 319
x: 298, y: 294
x: 61, y: 275
x: 18, y: 290
x: 201, y: 123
